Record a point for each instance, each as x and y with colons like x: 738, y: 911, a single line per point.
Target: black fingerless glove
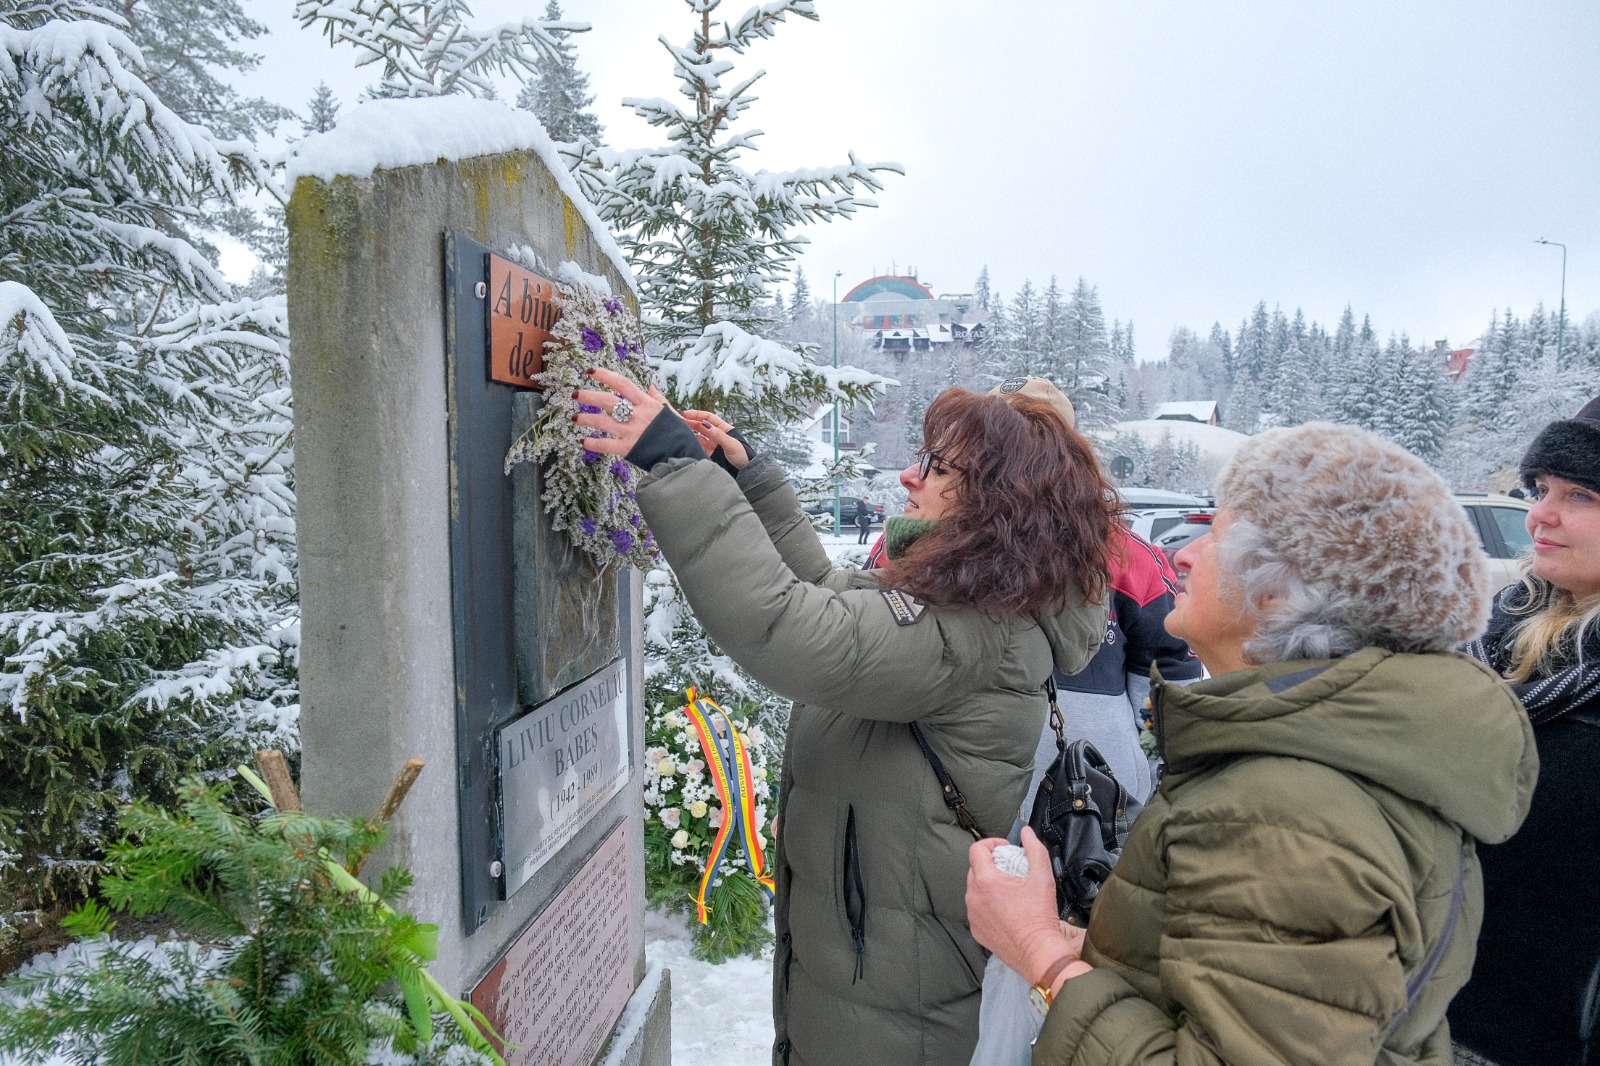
x: 666, y: 437
x: 720, y: 457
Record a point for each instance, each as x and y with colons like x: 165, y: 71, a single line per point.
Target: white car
x: 1502, y: 523
x: 1153, y: 522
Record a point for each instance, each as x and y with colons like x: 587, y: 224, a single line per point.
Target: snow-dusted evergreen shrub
x: 281, y: 955
x: 147, y: 621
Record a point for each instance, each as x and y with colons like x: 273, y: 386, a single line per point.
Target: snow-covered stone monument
x: 442, y: 617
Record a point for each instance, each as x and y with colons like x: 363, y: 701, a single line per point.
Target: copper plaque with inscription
x: 557, y: 992
x: 522, y: 312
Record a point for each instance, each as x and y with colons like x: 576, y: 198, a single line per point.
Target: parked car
x: 1191, y: 525
x: 847, y: 509
x: 1135, y: 499
x: 1155, y: 521
x: 1502, y: 523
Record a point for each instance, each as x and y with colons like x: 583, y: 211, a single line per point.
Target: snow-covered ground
x: 721, y: 1014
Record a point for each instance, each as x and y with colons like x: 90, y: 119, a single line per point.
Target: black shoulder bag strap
x: 947, y: 787
x: 1419, y: 980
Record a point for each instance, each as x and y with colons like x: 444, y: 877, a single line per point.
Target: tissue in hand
x: 1012, y: 860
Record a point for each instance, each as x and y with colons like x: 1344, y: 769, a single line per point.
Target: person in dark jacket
x: 1302, y: 888
x: 1535, y: 991
x: 863, y: 519
x: 996, y: 577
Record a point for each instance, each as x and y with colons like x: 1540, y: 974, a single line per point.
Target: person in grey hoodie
x: 997, y: 577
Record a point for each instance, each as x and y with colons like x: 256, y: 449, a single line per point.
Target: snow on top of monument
x: 388, y: 134
x: 1211, y: 440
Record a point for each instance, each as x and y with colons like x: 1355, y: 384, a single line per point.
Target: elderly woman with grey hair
x: 1303, y: 887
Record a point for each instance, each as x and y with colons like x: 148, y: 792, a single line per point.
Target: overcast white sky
x: 1188, y: 158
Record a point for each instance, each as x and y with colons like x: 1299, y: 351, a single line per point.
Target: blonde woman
x: 1535, y: 992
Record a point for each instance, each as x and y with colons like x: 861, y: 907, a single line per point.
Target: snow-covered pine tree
x: 1493, y: 374
x: 980, y: 290
x: 1358, y: 380
x: 426, y: 47
x: 559, y: 92
x: 1420, y: 414
x: 800, y: 309
x: 1086, y: 357
x: 1026, y: 353
x: 994, y: 351
x: 322, y: 113
x: 147, y: 626
x: 704, y: 235
x: 1243, y: 412
x: 185, y: 44
x: 1295, y: 395
x: 916, y: 401
x: 1224, y: 345
x: 1052, y: 333
x: 1253, y: 347
x: 1122, y: 353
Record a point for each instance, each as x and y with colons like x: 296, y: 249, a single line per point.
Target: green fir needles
x: 286, y: 958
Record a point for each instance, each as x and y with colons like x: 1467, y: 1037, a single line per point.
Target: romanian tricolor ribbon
x: 729, y: 765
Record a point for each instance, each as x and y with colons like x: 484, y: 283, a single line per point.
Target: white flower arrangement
x: 587, y: 494
x: 681, y: 799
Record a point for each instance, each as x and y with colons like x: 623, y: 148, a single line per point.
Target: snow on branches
x: 426, y: 47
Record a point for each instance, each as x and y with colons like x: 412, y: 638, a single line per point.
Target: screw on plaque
x: 481, y: 290
x: 496, y: 868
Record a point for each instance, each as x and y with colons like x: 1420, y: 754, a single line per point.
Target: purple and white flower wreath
x: 588, y: 495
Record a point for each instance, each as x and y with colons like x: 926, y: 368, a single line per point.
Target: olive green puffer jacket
x: 1297, y: 865
x: 875, y: 963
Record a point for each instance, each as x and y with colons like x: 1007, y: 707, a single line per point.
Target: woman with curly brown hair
x: 997, y: 576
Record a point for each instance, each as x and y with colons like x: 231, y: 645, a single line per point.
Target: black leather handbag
x: 1081, y: 813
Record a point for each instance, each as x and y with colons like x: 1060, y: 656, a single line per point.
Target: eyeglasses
x: 926, y: 462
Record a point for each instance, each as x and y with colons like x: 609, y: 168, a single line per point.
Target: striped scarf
x: 1574, y: 688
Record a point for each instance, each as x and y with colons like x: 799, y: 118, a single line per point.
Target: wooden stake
x: 391, y: 803
x: 275, y: 772
x: 397, y: 791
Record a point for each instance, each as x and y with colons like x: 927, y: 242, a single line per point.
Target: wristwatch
x: 1040, y: 994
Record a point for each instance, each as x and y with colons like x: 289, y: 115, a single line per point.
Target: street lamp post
x: 837, y: 525
x: 1561, y: 323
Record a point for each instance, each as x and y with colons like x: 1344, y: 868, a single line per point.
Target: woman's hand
x: 1015, y: 917
x: 625, y: 434
x: 715, y: 432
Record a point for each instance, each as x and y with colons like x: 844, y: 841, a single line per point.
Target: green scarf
x: 902, y: 531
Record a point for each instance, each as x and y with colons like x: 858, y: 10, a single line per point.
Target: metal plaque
x: 558, y: 765
x: 522, y: 311
x: 556, y: 994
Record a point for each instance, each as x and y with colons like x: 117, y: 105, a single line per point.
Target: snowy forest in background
x: 148, y: 619
x: 1271, y: 370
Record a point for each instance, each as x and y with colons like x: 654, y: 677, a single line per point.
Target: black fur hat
x: 1568, y: 449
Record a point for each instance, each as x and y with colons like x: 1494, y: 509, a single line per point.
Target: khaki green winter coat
x: 859, y: 671
x: 1296, y: 867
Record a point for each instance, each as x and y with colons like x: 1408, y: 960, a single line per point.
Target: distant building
x: 1205, y: 412
x: 818, y: 426
x: 900, y: 314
